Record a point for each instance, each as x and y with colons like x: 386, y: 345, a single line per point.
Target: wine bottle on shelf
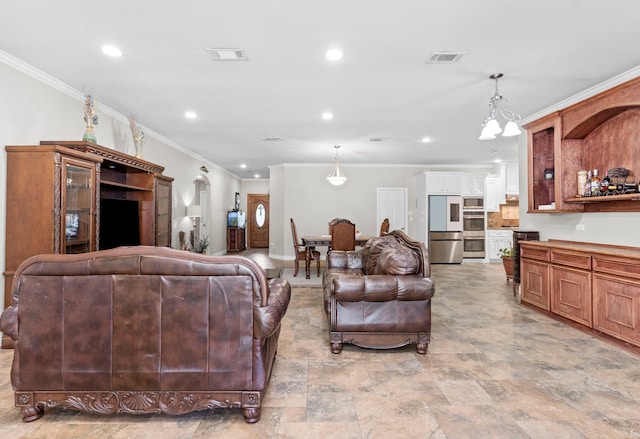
x: 587, y: 185
x: 595, y: 184
x: 604, y: 184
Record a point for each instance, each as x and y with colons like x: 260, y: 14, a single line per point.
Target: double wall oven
x: 473, y: 230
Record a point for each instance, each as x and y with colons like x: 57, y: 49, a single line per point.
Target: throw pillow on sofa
x: 398, y: 260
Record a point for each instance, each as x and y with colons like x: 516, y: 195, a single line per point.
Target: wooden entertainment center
x: 59, y: 193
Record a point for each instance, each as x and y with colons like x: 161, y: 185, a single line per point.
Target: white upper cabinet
x: 444, y: 183
x: 495, y: 194
x: 473, y: 184
x: 512, y: 178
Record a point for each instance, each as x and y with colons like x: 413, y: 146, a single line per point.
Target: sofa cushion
x: 398, y: 260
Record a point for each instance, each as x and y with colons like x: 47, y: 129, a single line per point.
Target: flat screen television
x: 119, y: 223
x: 236, y: 218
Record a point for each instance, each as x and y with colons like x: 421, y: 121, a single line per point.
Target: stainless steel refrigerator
x: 446, y: 244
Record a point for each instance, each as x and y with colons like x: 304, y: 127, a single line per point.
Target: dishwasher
x: 446, y: 247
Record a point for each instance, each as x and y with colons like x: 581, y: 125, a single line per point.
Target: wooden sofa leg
x: 32, y: 413
x: 251, y: 415
x: 423, y: 343
x: 336, y: 342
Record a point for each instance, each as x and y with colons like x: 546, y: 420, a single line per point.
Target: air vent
x: 272, y: 139
x: 227, y: 54
x: 445, y: 57
x: 378, y: 139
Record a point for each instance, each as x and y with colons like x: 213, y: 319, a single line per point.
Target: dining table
x: 312, y: 241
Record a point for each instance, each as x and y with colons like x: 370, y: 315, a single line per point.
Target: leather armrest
x: 266, y: 319
x: 9, y: 322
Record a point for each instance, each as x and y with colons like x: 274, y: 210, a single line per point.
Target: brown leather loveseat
x: 143, y: 330
x: 380, y: 296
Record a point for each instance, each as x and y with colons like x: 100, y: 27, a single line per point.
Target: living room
x: 36, y: 106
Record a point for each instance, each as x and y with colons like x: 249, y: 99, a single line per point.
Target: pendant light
x: 336, y: 177
x: 490, y: 125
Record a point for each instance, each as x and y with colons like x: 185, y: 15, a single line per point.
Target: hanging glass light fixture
x: 490, y: 126
x: 336, y: 177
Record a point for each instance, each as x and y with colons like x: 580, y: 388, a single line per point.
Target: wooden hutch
x: 59, y: 193
x: 596, y: 286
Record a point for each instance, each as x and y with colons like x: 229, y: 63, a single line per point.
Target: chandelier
x: 336, y: 177
x: 490, y: 126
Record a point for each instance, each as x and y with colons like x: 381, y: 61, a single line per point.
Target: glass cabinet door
x: 163, y: 213
x: 78, y: 180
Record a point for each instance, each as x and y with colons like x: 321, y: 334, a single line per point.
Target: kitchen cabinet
x: 601, y: 133
x: 473, y: 184
x: 495, y: 194
x: 512, y: 178
x: 444, y: 183
x: 499, y: 239
x: 596, y: 285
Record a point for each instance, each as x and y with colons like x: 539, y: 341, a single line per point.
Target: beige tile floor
x: 495, y: 369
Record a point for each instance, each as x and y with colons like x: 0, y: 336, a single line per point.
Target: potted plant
x: 201, y: 245
x: 506, y: 253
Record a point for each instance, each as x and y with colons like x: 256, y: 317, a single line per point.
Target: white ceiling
x: 548, y: 50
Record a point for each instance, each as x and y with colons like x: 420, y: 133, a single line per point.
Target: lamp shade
x: 511, y: 129
x: 336, y: 177
x: 194, y: 211
x: 493, y: 127
x: 486, y: 134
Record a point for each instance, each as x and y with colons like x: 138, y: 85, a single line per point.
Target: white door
x: 392, y: 204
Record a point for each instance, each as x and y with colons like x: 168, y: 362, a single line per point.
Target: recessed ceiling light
x: 256, y: 175
x: 227, y: 54
x: 425, y: 139
x: 243, y: 166
x: 497, y: 161
x: 334, y: 54
x: 190, y: 115
x: 111, y: 51
x: 327, y: 116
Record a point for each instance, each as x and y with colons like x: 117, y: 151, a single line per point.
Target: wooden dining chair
x: 301, y: 252
x: 384, y: 227
x: 343, y: 235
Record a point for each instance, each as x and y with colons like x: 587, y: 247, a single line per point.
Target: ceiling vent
x: 445, y: 57
x: 378, y: 139
x: 272, y: 139
x: 227, y: 54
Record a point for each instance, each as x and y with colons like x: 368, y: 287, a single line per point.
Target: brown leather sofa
x: 143, y: 330
x: 380, y: 296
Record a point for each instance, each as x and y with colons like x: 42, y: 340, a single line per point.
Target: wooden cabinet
x: 163, y: 211
x: 571, y: 294
x: 534, y: 277
x: 598, y: 133
x: 65, y: 197
x: 596, y: 285
x: 235, y: 239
